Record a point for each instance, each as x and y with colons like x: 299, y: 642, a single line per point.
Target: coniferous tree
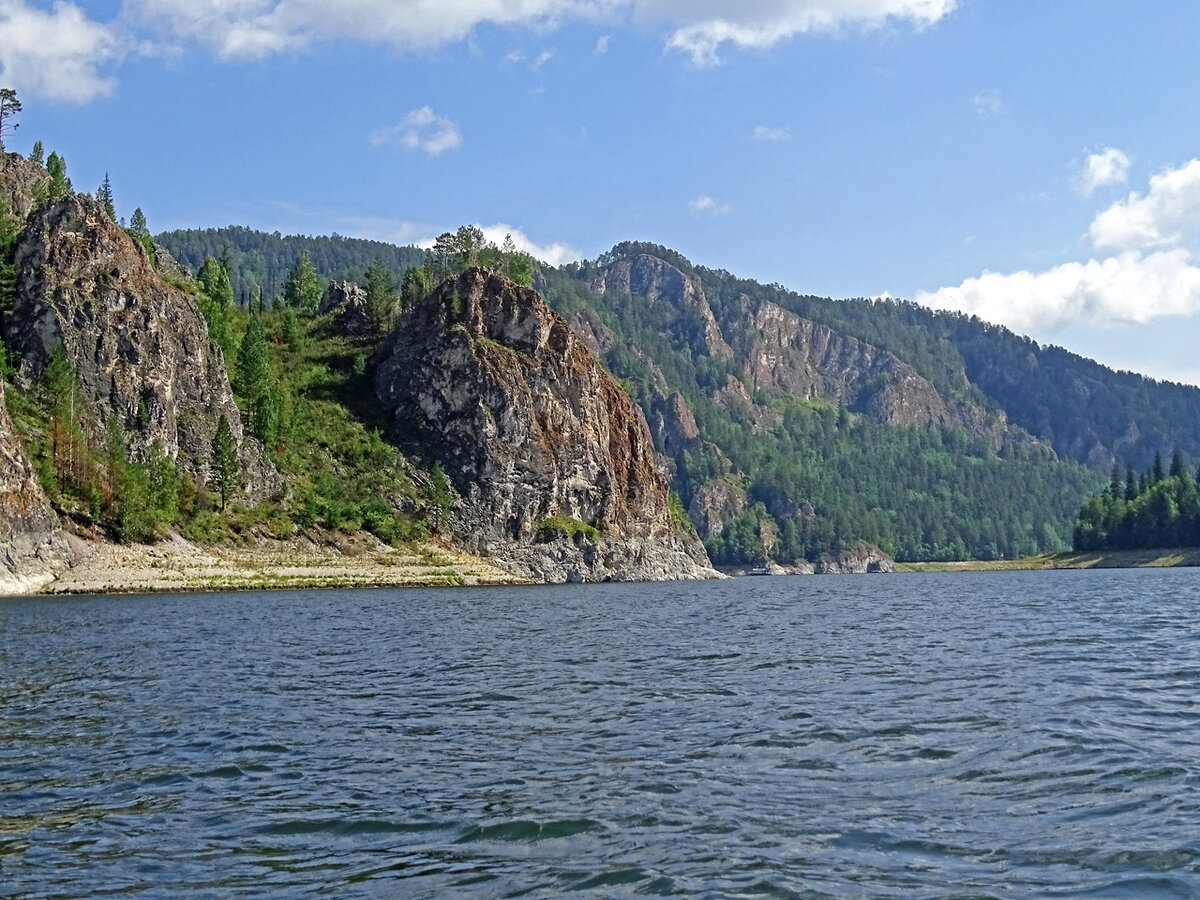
x: 418, y: 281
x: 137, y: 224
x: 104, y: 194
x: 37, y: 154
x: 9, y: 107
x: 253, y: 373
x: 225, y: 467
x: 60, y: 184
x: 381, y: 298
x: 303, y: 288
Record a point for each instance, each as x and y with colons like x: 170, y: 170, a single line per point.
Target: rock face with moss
x: 551, y: 463
x: 32, y: 547
x: 138, y: 343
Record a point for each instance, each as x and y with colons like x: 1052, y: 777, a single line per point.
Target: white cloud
x: 257, y: 28
x: 1152, y: 271
x: 771, y: 135
x: 1162, y: 217
x: 56, y: 54
x: 422, y: 129
x: 706, y: 205
x: 703, y: 26
x: 989, y: 103
x: 250, y: 29
x: 544, y: 57
x: 1109, y: 166
x: 59, y: 53
x: 1128, y: 289
x: 555, y: 254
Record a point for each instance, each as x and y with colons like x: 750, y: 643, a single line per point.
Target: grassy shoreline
x: 1111, y: 559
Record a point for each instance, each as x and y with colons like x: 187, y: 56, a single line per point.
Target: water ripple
x: 1001, y: 735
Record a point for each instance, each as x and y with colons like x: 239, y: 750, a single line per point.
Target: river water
x: 988, y: 735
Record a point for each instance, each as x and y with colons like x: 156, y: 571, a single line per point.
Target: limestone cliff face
x: 32, y: 547
x: 482, y: 377
x: 139, y: 345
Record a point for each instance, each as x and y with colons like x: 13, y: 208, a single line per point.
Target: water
x: 991, y: 735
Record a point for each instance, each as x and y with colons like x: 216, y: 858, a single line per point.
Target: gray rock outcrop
x: 483, y: 378
x: 33, y: 549
x: 139, y: 345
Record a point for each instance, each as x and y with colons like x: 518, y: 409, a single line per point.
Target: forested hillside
x: 931, y: 435
x: 257, y: 260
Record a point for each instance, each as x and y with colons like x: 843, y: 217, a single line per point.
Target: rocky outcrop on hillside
x: 551, y: 463
x: 655, y: 280
x: 20, y: 183
x: 349, y: 301
x: 861, y: 560
x: 139, y: 345
x: 33, y: 550
x: 714, y: 505
x: 783, y: 355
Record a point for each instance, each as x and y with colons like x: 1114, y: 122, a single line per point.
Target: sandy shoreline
x: 332, y: 560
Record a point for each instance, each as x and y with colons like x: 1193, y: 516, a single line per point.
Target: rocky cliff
x: 552, y: 464
x: 32, y: 547
x: 139, y: 344
x: 784, y: 355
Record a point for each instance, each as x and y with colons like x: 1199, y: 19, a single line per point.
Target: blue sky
x: 1034, y: 163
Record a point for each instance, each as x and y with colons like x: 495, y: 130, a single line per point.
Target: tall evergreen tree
x: 37, y: 154
x: 226, y: 468
x: 9, y: 107
x: 105, y: 195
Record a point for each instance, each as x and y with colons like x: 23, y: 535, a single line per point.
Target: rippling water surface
x: 991, y: 735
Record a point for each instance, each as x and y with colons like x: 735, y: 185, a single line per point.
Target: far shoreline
x: 1158, y: 558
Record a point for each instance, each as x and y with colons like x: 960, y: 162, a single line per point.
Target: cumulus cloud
x: 422, y: 129
x: 554, y: 254
x: 1109, y: 166
x: 56, y: 54
x: 706, y: 205
x: 771, y: 135
x: 1130, y: 288
x: 1151, y: 271
x: 989, y: 103
x: 1161, y: 217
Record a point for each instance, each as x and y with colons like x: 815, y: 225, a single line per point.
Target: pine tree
x: 253, y: 373
x: 37, y: 154
x: 60, y: 184
x: 225, y: 467
x: 104, y: 194
x: 9, y: 107
x: 381, y: 298
x: 303, y: 288
x: 137, y: 225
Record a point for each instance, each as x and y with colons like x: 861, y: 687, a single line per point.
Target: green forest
x: 1158, y: 508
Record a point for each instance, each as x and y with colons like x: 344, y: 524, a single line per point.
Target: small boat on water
x: 760, y: 570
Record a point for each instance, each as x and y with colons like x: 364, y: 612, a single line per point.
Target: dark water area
x: 1027, y: 734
